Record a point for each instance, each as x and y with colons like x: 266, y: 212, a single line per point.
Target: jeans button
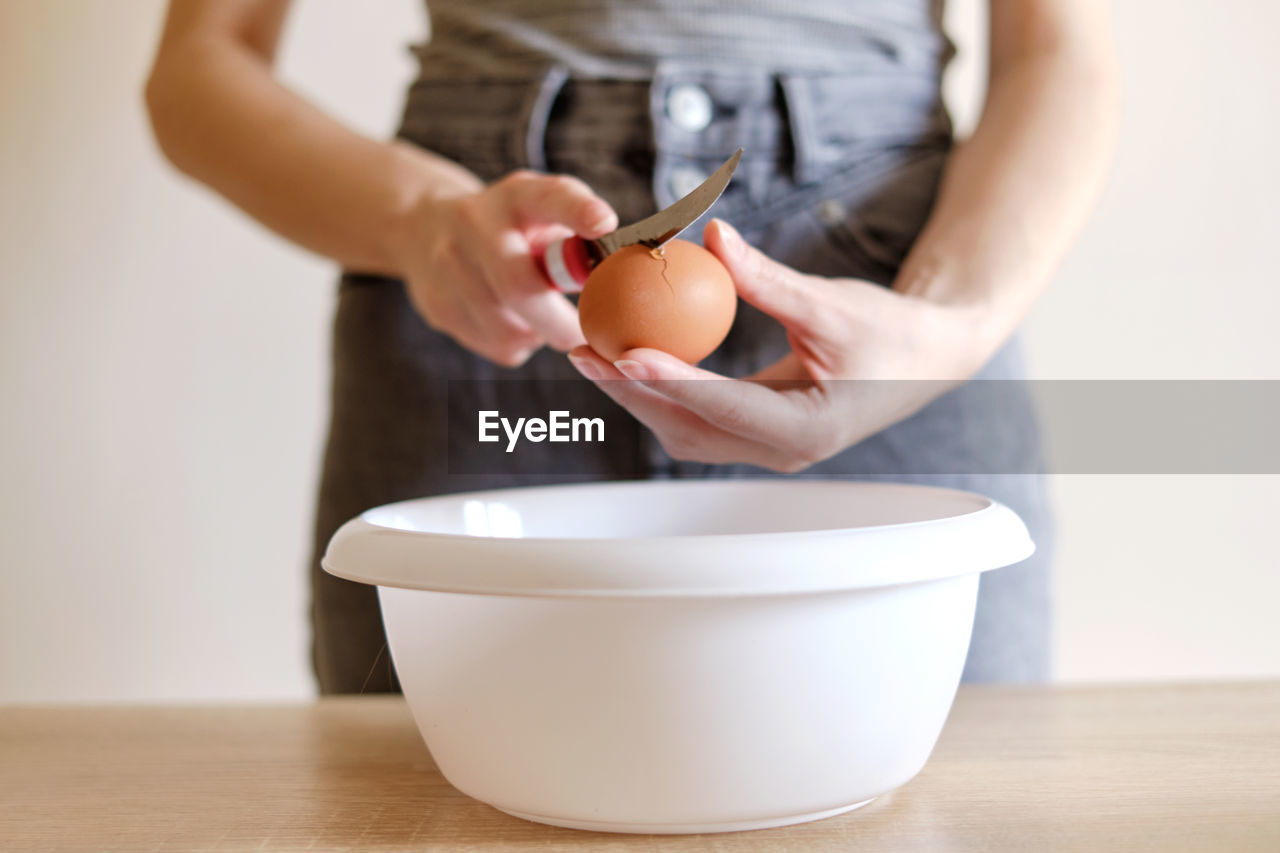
x: 684, y: 180
x: 689, y: 107
x: 831, y: 212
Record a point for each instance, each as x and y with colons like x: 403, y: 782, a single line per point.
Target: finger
x: 470, y: 314
x: 785, y: 372
x: 552, y: 316
x: 650, y: 408
x: 747, y: 409
x: 791, y: 297
x: 682, y: 433
x: 518, y: 283
x: 489, y: 330
x: 499, y: 334
x: 537, y: 199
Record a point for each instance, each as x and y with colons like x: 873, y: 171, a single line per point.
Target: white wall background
x: 162, y: 360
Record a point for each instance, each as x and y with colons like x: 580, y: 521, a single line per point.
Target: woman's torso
x: 838, y: 105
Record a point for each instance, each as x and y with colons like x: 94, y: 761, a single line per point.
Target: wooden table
x: 1117, y: 768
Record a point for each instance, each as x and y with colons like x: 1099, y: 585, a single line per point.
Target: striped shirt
x: 625, y: 38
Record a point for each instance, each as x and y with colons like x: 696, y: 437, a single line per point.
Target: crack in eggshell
x: 670, y: 286
x: 657, y: 254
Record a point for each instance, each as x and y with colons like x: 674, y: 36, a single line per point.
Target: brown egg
x: 681, y: 301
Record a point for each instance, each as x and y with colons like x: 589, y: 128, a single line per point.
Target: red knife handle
x: 566, y: 264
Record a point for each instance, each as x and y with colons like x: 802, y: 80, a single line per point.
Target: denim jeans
x: 837, y: 179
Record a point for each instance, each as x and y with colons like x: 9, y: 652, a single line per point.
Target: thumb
x: 790, y: 297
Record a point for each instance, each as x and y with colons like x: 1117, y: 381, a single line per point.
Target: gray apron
x: 839, y: 175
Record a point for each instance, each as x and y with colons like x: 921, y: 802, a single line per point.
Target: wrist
x: 422, y: 183
x: 977, y: 317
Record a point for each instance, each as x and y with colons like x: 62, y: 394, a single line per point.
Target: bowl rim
x: 986, y: 504
x: 824, y: 559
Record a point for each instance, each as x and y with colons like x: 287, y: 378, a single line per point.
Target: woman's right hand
x: 466, y: 250
x: 470, y: 264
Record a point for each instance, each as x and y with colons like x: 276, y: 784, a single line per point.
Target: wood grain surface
x: 1115, y: 768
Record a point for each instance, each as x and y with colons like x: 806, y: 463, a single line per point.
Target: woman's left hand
x: 863, y: 357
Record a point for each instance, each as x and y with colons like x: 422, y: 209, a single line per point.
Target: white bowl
x: 687, y: 656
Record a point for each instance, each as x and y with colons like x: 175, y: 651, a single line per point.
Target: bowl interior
x: 675, y: 508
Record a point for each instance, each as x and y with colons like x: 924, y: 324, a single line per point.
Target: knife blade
x: 568, y: 262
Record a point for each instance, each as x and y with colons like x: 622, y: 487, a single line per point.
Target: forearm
x: 1014, y: 195
x: 222, y: 118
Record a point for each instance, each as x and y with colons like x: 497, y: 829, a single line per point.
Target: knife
x: 568, y: 262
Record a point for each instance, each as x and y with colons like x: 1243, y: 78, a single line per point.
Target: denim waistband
x: 809, y: 126
x: 814, y: 118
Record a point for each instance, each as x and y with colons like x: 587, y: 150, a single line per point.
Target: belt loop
x: 797, y: 92
x: 530, y: 142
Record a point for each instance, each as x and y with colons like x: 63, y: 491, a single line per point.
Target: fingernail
x: 633, y: 369
x: 603, y: 220
x: 586, y: 368
x: 732, y: 239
